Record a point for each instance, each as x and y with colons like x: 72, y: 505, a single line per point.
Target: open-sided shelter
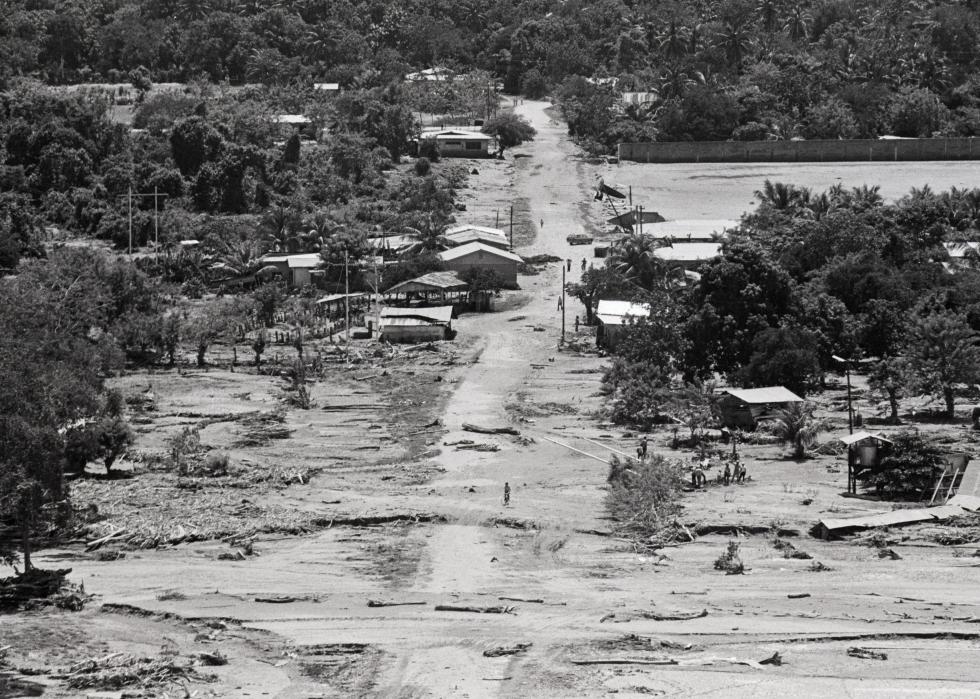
x: 744, y: 408
x: 864, y: 452
x: 434, y: 286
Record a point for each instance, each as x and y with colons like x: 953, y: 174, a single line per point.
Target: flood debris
x: 653, y: 616
x: 119, y: 670
x: 482, y: 446
x: 889, y: 553
x: 40, y: 587
x: 476, y: 610
x: 468, y: 427
x: 798, y: 595
x: 391, y: 603
x: 506, y: 650
x: 866, y: 653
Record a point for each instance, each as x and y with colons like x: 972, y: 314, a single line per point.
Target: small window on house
x: 453, y: 144
x: 473, y: 145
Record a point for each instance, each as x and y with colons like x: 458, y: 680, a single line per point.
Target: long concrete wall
x: 801, y: 151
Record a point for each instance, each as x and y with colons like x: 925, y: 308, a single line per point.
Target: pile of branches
x: 258, y: 429
x: 119, y: 670
x: 644, y: 500
x: 199, y: 516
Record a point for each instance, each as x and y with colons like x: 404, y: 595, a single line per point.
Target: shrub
x: 429, y: 149
x: 730, y: 561
x: 910, y: 467
x: 797, y: 426
x: 533, y: 84
x: 422, y: 166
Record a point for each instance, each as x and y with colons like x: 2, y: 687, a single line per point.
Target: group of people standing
x: 734, y: 472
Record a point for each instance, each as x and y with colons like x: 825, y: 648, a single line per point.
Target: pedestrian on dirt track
x: 576, y: 323
x: 506, y: 493
x: 583, y: 264
x: 569, y: 264
x: 643, y: 447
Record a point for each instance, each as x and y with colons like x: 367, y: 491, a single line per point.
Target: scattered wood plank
x: 101, y: 541
x: 798, y: 595
x: 679, y: 616
x: 276, y: 599
x: 866, y: 653
x: 388, y: 603
x: 468, y: 427
x: 506, y: 650
x: 475, y: 610
x: 521, y: 599
x: 478, y: 447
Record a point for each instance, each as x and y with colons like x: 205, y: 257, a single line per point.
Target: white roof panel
x: 470, y: 248
x: 768, y: 394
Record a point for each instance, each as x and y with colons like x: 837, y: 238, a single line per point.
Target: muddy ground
x: 366, y: 504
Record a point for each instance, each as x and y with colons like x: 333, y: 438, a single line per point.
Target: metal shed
x: 416, y: 324
x: 744, y: 408
x: 863, y: 455
x: 485, y: 257
x: 613, y: 316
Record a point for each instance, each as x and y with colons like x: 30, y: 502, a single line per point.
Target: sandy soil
x: 573, y: 591
x: 726, y: 190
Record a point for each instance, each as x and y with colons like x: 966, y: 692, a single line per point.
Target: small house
x: 416, y: 324
x: 295, y: 269
x: 613, y: 317
x: 745, y: 408
x: 483, y: 257
x: 288, y: 124
x: 437, y: 74
x: 460, y: 143
x: 460, y: 235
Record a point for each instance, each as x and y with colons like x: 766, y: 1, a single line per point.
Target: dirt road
x: 571, y: 592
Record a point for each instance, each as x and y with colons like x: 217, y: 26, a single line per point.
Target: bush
x: 730, y: 561
x: 753, y: 131
x: 422, y: 166
x: 910, y: 468
x: 429, y: 149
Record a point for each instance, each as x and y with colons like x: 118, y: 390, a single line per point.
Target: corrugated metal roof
x: 859, y: 436
x: 967, y: 502
x: 477, y: 237
x: 959, y: 249
x: 689, y: 251
x: 768, y: 394
x: 340, y: 297
x: 482, y: 229
x: 433, y: 281
x: 304, y: 261
x: 622, y: 308
x: 691, y: 229
x: 406, y: 321
x: 437, y: 314
x: 470, y: 248
x: 292, y: 119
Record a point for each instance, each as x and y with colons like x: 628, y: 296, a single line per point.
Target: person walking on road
x: 643, y: 447
x: 506, y: 493
x: 583, y: 264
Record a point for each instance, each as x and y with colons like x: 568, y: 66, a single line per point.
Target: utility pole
x: 130, y: 220
x: 512, y: 227
x: 496, y: 221
x: 156, y: 214
x: 563, y: 266
x: 631, y: 195
x: 347, y: 305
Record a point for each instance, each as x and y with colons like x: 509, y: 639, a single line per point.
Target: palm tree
x: 633, y: 257
x: 673, y: 42
x: 735, y: 39
x: 798, y: 23
x: 865, y: 197
x: 783, y: 197
x: 241, y: 258
x: 797, y: 426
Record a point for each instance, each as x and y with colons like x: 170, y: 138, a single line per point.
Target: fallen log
x: 679, y: 616
x: 521, y: 599
x: 798, y: 595
x: 383, y: 603
x: 278, y: 599
x: 625, y: 661
x: 467, y: 427
x: 475, y: 610
x: 478, y: 447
